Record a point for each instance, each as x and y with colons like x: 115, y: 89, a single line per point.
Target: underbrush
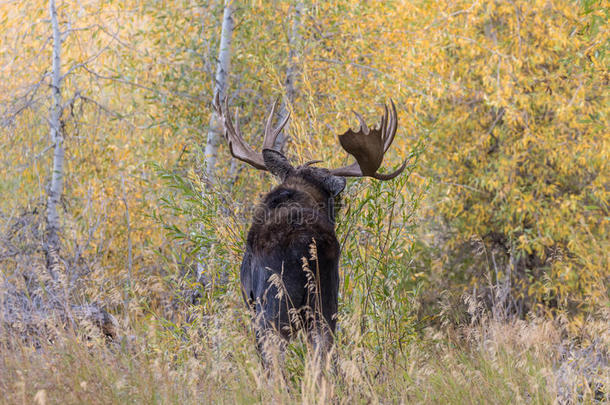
x: 213, y: 360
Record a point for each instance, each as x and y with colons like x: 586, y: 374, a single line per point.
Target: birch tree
x: 220, y: 88
x: 294, y: 40
x: 57, y: 138
x: 215, y: 130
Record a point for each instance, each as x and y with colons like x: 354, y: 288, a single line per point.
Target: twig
x: 499, y: 114
x: 127, y: 220
x: 140, y: 86
x: 357, y: 65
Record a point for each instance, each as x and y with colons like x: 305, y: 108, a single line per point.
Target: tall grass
x: 514, y: 362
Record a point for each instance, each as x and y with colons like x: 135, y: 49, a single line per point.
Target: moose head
x: 290, y: 269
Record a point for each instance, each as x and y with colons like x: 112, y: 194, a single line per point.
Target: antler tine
x: 267, y: 141
x: 230, y: 128
x: 282, y: 125
x: 270, y: 133
x: 390, y: 176
x: 363, y: 127
x: 389, y: 133
x: 236, y: 126
x: 384, y: 122
x: 392, y: 125
x: 238, y: 147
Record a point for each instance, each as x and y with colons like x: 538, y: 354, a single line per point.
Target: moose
x: 290, y: 268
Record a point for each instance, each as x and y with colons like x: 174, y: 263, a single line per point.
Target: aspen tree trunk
x: 294, y: 41
x: 215, y: 130
x: 220, y: 88
x: 55, y: 190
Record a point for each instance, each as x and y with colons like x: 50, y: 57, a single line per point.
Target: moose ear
x: 277, y: 163
x: 335, y: 184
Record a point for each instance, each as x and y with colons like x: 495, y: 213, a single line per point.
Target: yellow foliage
x: 511, y: 97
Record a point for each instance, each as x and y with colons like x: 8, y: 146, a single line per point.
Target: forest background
x: 481, y: 275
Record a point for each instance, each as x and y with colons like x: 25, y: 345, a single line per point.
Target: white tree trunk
x: 215, y: 130
x: 220, y: 88
x: 294, y: 42
x: 57, y: 174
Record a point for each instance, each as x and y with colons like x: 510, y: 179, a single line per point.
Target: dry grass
x: 213, y: 360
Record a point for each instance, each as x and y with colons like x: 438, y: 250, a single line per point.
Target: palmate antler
x: 369, y: 146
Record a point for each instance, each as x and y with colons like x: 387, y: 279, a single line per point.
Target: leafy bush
x: 519, y: 153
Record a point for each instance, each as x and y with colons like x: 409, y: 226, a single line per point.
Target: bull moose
x: 290, y: 268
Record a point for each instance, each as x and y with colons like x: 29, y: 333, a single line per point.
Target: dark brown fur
x: 292, y: 231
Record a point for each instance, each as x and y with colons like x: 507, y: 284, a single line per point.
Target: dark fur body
x: 291, y: 218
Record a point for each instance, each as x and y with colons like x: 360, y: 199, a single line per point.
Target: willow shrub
x: 519, y: 153
x: 207, y: 226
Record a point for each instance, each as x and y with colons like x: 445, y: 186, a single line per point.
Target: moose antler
x: 368, y: 146
x: 239, y: 148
